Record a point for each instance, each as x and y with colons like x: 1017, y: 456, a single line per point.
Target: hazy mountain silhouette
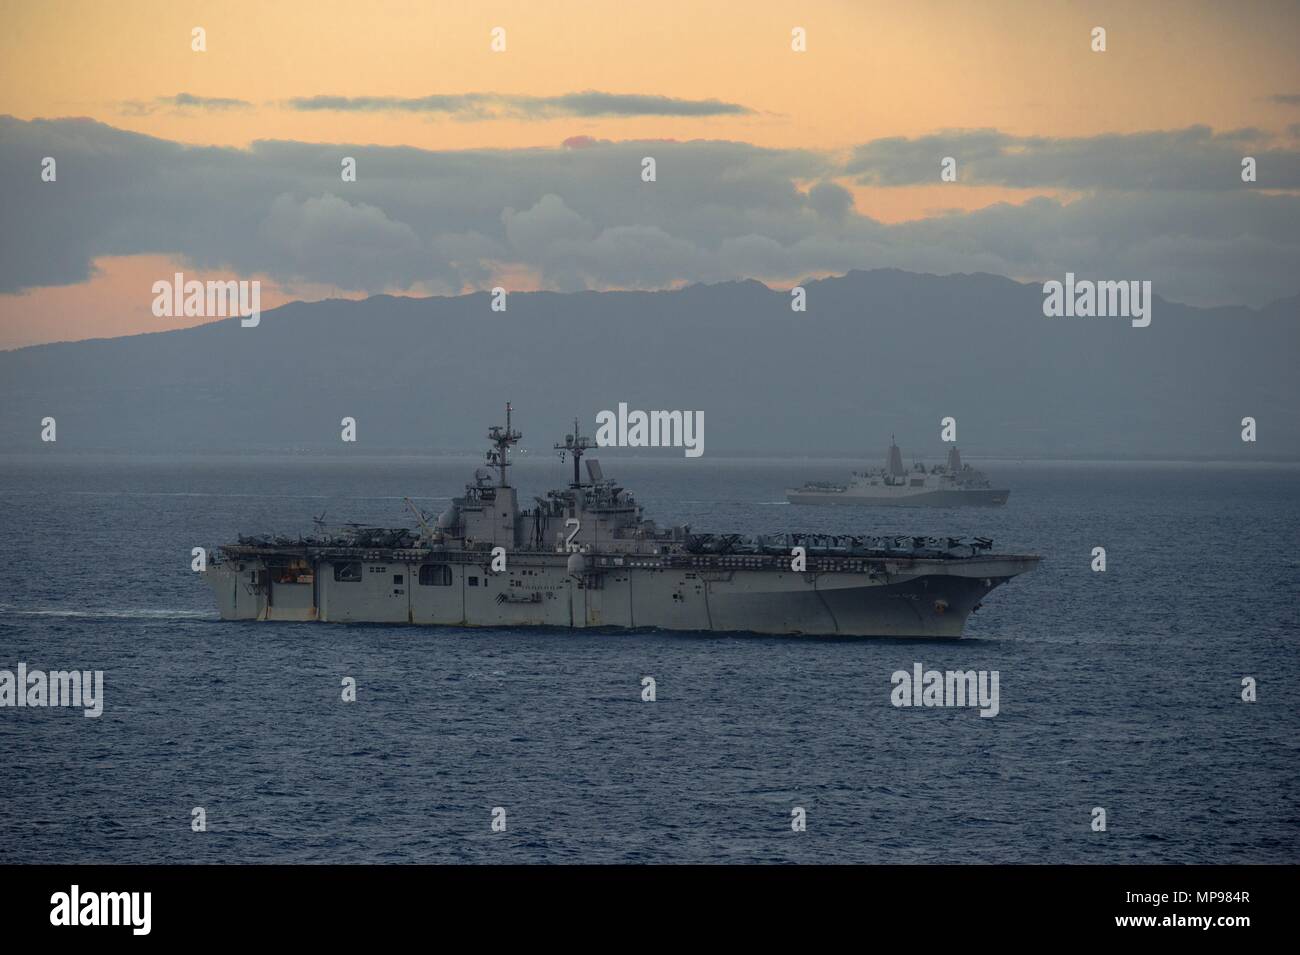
x: 876, y: 353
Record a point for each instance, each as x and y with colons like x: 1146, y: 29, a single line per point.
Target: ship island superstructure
x: 952, y: 484
x: 585, y: 556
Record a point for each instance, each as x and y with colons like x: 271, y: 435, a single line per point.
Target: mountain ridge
x: 877, y: 352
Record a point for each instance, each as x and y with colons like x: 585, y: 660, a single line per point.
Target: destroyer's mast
x: 576, y: 445
x: 503, y: 439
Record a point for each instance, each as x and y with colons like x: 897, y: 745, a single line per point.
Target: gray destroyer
x: 945, y: 485
x: 585, y: 557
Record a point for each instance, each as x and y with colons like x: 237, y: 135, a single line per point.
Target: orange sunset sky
x: 871, y: 71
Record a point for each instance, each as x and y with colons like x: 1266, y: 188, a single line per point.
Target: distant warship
x: 584, y: 557
x: 951, y: 485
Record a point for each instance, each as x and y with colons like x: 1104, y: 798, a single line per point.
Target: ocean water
x: 1119, y: 690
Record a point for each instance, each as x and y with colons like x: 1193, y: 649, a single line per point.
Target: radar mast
x: 576, y: 445
x: 503, y: 438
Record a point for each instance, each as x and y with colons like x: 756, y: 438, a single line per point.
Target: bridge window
x: 349, y: 572
x: 435, y: 575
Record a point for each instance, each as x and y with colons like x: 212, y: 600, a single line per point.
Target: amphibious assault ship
x: 584, y: 556
x: 951, y: 485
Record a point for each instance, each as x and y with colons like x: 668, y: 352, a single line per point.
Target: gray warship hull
x: 952, y: 484
x: 889, y: 597
x: 905, y: 497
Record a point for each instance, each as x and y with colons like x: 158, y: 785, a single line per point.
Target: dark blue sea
x: 1119, y: 690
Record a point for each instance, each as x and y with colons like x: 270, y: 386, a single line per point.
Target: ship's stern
x: 237, y: 591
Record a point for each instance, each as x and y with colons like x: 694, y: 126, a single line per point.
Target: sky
x: 521, y: 167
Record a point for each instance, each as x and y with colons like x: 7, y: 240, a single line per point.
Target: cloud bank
x: 1193, y: 159
x: 1164, y: 206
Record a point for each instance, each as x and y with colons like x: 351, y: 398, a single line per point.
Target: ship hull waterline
x: 909, y: 597
x: 937, y: 498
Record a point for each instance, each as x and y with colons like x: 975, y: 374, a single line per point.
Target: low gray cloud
x: 1286, y: 99
x: 183, y: 101
x: 206, y: 102
x: 1195, y: 158
x: 589, y: 103
x: 583, y: 218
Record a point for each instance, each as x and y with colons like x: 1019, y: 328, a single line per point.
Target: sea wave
x: 116, y: 614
